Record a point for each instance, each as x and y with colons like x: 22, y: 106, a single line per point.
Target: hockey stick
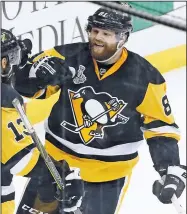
x: 48, y: 161
x: 176, y: 203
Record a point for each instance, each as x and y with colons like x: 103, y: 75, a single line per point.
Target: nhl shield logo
x: 93, y: 112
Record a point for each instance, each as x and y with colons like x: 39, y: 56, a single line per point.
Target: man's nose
x: 99, y: 36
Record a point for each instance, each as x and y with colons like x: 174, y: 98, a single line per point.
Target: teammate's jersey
x: 19, y: 154
x: 102, y: 117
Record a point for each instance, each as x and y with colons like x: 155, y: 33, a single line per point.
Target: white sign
x: 47, y: 24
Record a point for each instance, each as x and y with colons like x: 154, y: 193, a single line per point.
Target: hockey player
x: 19, y: 155
x: 97, y: 122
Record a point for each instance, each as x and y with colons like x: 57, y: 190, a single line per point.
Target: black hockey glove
x: 71, y: 197
x: 172, y: 182
x: 51, y: 71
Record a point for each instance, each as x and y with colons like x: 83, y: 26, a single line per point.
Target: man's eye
x: 95, y: 31
x: 106, y: 34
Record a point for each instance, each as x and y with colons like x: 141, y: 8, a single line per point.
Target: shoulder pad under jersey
x: 71, y: 49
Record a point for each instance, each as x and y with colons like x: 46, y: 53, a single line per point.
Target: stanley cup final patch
x: 80, y: 77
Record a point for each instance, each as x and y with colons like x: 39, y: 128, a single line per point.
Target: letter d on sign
x: 42, y: 37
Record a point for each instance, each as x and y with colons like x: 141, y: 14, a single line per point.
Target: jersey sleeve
x: 159, y: 127
x: 43, y: 110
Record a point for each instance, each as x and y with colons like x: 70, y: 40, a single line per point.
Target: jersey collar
x: 114, y: 68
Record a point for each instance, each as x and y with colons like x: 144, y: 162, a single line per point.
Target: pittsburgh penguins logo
x: 93, y: 112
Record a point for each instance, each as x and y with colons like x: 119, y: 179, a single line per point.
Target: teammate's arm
x: 162, y: 135
x: 24, y: 159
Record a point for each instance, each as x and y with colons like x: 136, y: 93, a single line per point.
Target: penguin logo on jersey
x: 93, y: 112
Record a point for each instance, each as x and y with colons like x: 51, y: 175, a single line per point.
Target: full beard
x: 101, y: 52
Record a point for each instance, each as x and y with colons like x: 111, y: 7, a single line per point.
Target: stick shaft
x: 176, y: 203
x: 48, y: 161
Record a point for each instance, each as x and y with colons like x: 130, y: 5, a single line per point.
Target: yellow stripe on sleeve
x: 151, y: 134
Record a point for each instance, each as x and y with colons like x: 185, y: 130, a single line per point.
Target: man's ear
x: 122, y: 39
x: 4, y: 62
x: 122, y: 42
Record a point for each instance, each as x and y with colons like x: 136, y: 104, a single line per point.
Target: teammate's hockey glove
x: 172, y: 182
x: 26, y: 47
x: 50, y: 71
x: 71, y: 196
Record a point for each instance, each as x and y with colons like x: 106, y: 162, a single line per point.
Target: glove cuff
x: 177, y: 171
x: 163, y: 169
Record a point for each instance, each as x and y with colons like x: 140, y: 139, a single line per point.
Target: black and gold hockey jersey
x: 18, y: 155
x: 103, y: 115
